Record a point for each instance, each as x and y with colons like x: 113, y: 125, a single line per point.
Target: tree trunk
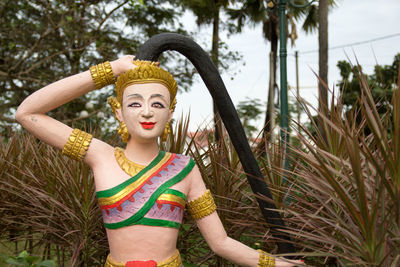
x: 270, y: 116
x: 323, y: 55
x: 269, y: 123
x: 214, y: 57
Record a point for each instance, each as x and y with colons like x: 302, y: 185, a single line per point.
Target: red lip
x: 147, y: 125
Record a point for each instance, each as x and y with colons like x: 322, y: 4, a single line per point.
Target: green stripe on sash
x: 150, y: 202
x: 158, y: 222
x: 112, y: 191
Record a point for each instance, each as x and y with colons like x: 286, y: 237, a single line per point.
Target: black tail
x: 152, y: 49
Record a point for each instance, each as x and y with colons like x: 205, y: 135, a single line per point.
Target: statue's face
x: 145, y: 110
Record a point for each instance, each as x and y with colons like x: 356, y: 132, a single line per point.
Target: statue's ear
x: 118, y: 114
x: 171, y: 113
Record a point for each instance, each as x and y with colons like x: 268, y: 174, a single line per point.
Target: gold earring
x: 123, y: 131
x: 166, y: 132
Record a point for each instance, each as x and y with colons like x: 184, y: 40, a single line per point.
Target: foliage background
x: 43, y: 41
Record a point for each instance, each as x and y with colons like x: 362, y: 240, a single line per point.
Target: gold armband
x: 102, y: 74
x: 202, y: 206
x: 77, y: 144
x: 265, y: 259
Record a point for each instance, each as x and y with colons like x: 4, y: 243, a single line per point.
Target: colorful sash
x: 146, y: 198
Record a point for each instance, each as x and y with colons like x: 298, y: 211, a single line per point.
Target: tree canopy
x: 250, y: 110
x: 382, y: 82
x: 44, y: 41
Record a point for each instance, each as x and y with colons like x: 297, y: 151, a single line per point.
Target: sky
x: 350, y: 22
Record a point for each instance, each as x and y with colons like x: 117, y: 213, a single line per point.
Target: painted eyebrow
x: 140, y: 96
x: 135, y: 96
x: 157, y: 95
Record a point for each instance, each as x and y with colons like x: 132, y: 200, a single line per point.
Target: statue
x: 141, y: 190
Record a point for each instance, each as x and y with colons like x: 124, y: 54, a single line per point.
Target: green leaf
x: 137, y: 2
x: 32, y: 259
x: 23, y: 254
x: 186, y: 227
x: 46, y: 263
x: 17, y: 262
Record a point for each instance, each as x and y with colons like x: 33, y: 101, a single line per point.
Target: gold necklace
x: 131, y: 168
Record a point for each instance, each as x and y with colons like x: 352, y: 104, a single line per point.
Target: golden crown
x: 146, y: 72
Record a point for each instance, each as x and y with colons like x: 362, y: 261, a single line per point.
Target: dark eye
x: 135, y: 105
x: 157, y: 105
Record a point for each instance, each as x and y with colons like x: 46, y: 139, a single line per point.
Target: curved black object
x: 152, y: 49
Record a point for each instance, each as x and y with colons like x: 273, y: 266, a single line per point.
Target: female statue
x: 142, y: 191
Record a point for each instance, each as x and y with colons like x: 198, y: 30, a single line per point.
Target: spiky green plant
x: 49, y: 202
x: 344, y: 185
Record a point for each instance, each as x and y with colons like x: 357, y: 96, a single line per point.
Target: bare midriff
x: 141, y: 242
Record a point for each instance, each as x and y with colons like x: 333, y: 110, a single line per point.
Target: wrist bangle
x: 77, y: 144
x: 265, y: 259
x: 102, y: 74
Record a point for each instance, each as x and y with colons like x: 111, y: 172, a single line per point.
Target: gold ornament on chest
x: 129, y: 167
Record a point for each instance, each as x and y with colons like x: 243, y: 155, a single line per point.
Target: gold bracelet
x: 109, y: 72
x: 102, y: 74
x: 265, y: 260
x: 202, y: 206
x: 96, y: 77
x: 77, y: 144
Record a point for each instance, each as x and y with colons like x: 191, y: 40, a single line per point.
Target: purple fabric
x: 165, y: 212
x: 133, y: 204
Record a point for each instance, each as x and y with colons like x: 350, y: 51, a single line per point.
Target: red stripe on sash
x: 169, y: 202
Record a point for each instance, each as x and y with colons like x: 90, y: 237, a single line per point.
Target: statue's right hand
x: 123, y: 64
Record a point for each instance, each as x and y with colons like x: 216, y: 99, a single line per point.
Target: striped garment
x: 146, y: 198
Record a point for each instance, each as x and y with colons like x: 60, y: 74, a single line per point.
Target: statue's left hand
x: 123, y: 64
